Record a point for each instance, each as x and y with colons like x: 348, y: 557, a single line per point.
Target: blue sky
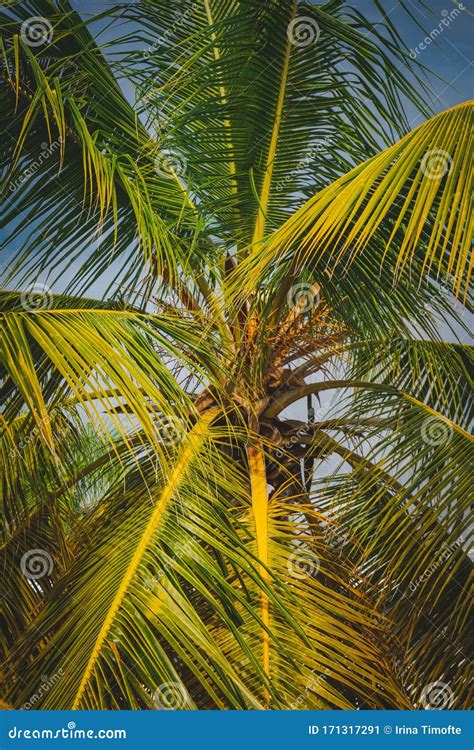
x: 449, y: 56
x: 447, y: 53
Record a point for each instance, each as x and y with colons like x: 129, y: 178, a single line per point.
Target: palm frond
x: 261, y: 119
x: 73, y: 136
x: 402, y: 207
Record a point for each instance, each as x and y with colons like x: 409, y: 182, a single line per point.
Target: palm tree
x: 239, y: 476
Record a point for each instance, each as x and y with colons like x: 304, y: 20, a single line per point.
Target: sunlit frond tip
x: 407, y: 204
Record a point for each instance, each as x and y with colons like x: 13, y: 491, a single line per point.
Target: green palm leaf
x: 236, y: 449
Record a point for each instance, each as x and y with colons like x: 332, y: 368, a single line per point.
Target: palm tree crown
x: 240, y: 476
